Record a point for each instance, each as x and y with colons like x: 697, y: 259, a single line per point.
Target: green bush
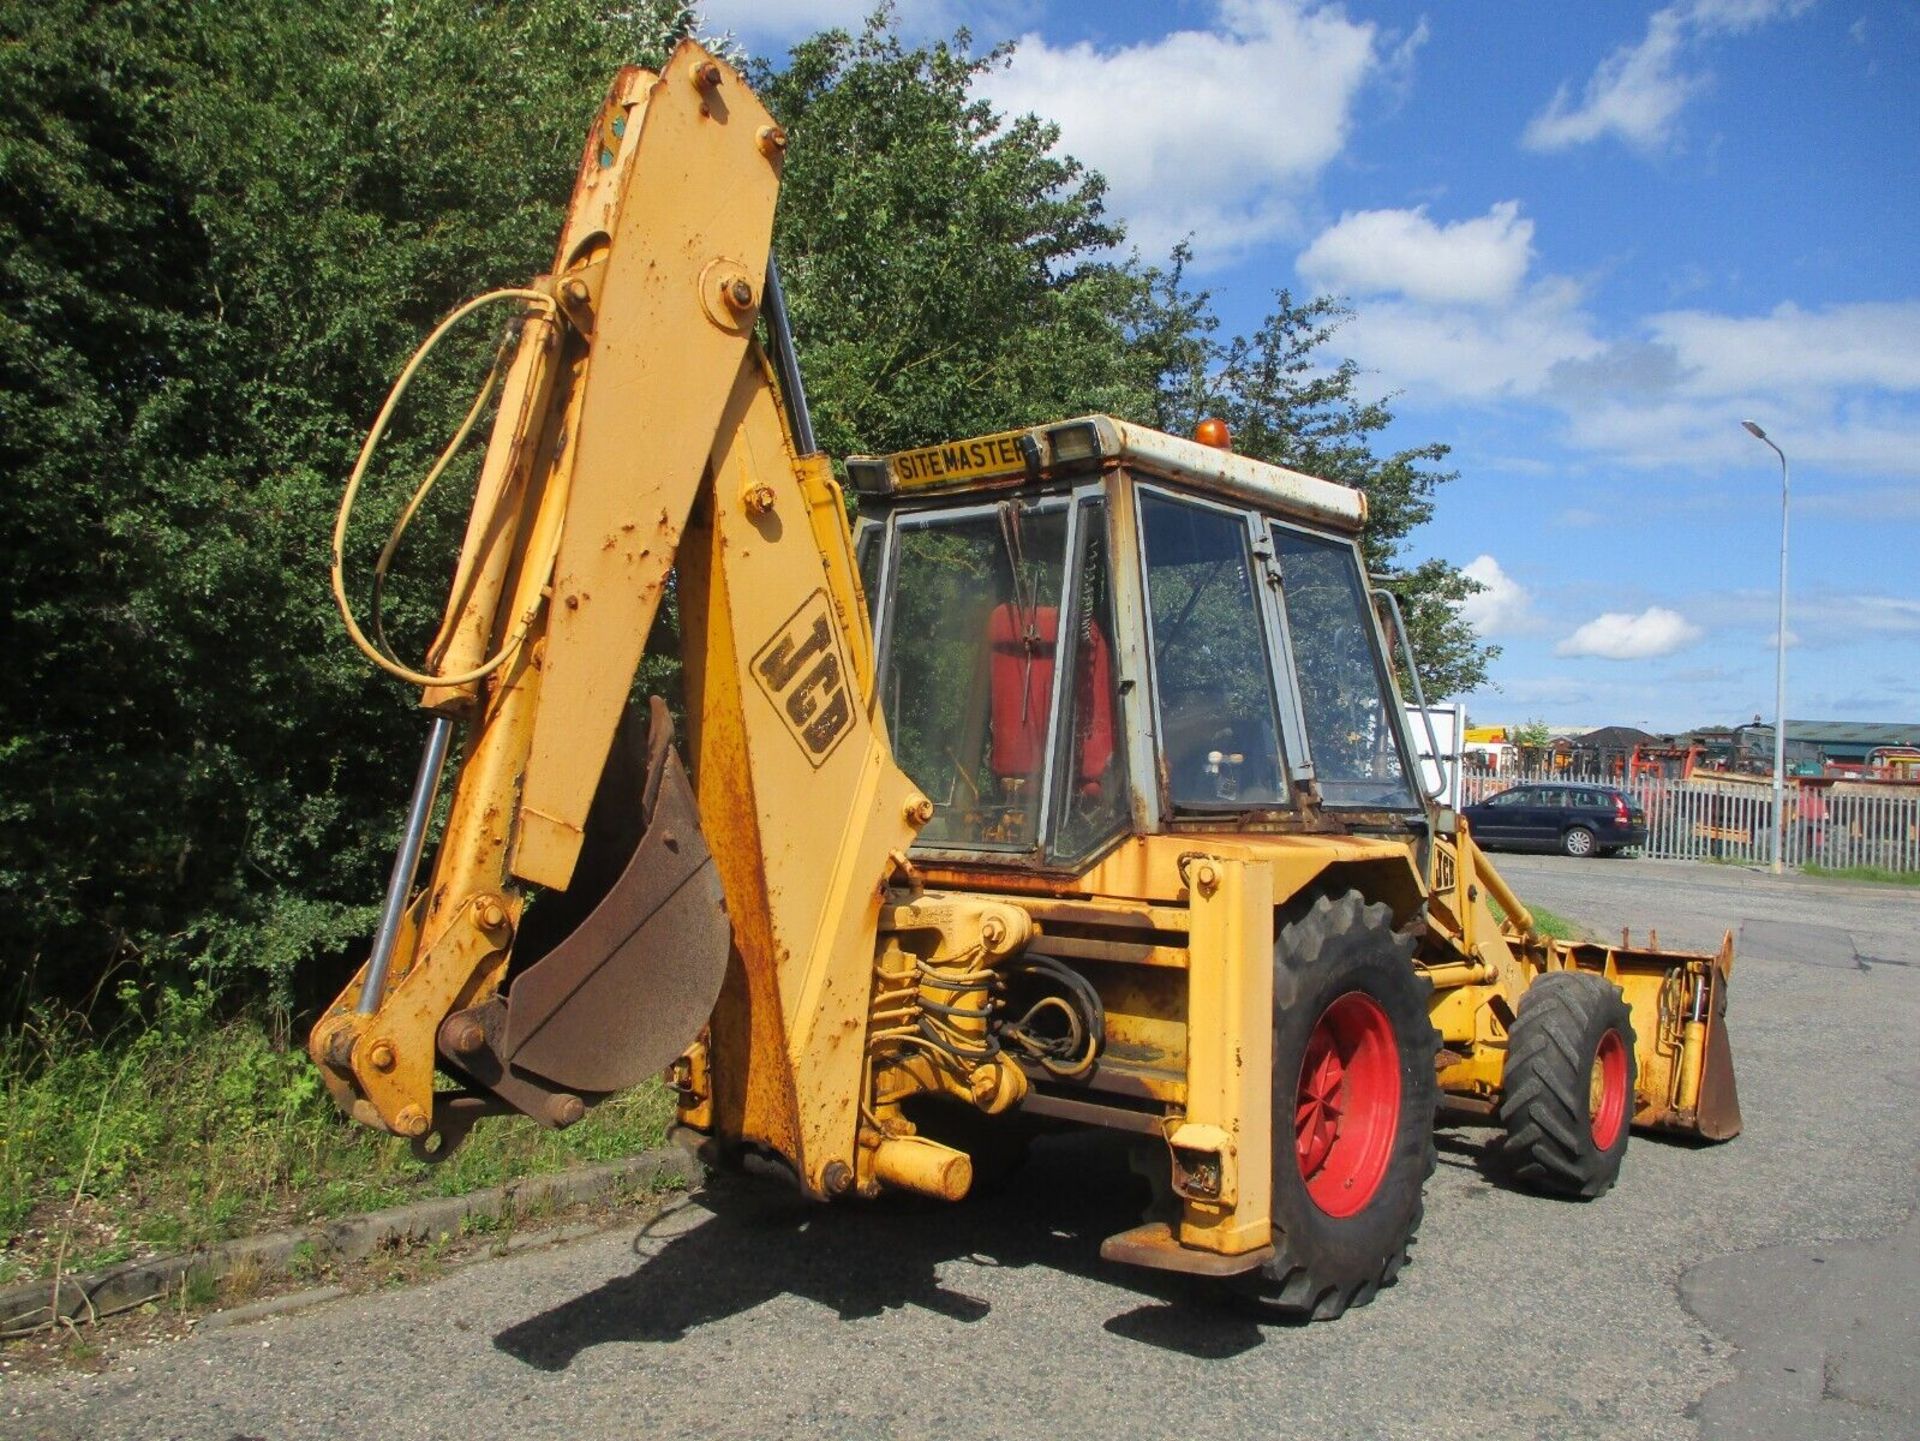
x: 225, y: 228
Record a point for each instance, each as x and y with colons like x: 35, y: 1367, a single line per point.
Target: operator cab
x: 1092, y: 629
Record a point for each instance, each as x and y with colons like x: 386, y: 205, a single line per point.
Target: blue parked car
x: 1581, y: 820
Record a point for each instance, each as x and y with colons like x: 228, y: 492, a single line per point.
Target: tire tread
x: 1288, y: 1282
x: 1543, y: 1105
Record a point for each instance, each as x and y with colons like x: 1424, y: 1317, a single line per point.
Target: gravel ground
x: 1762, y: 1287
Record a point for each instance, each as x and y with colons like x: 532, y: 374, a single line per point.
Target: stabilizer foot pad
x: 1154, y: 1245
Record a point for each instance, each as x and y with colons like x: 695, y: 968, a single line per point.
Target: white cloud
x: 1217, y: 133
x: 1473, y: 352
x: 1618, y: 636
x: 1733, y: 16
x: 1837, y: 386
x: 1375, y: 252
x: 1503, y: 607
x: 1839, y: 433
x: 1454, y: 311
x: 1638, y: 92
x: 1396, y: 71
x: 1885, y: 614
x: 1881, y: 504
x: 1819, y: 618
x: 1875, y: 343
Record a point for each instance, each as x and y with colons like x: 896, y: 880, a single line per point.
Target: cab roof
x: 1010, y: 459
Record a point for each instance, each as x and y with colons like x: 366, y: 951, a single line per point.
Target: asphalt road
x: 1763, y: 1288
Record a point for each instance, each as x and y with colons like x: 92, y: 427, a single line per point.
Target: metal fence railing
x: 1837, y: 826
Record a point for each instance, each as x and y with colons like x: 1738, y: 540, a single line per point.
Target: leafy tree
x: 223, y: 229
x: 1285, y: 402
x: 947, y: 267
x: 1534, y: 735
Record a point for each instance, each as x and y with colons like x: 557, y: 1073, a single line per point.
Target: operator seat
x: 1024, y: 650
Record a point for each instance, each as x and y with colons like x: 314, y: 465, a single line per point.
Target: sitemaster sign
x: 962, y: 460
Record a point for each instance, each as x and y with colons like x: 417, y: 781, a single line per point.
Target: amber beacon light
x: 1213, y: 431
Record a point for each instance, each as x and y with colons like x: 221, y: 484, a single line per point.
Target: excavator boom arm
x: 641, y: 444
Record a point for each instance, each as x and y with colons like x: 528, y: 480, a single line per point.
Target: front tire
x: 1578, y: 842
x: 1567, y: 1092
x: 1353, y: 1105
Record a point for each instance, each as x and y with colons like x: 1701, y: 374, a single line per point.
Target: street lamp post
x: 1780, y: 666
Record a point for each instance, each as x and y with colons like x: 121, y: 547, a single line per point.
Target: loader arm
x: 1482, y: 961
x: 572, y: 936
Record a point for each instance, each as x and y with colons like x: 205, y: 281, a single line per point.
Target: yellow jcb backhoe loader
x: 1075, y: 789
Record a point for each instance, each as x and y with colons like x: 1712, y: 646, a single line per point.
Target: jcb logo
x: 804, y: 674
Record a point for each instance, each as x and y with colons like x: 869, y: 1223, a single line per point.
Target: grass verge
x: 188, y: 1128
x: 1877, y: 874
x: 1548, y: 923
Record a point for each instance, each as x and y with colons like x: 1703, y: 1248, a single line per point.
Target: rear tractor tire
x: 1353, y: 1107
x: 1567, y: 1094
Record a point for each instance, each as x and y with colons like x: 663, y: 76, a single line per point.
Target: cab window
x: 1214, y: 687
x: 1090, y: 770
x: 870, y: 548
x: 967, y: 681
x: 1344, y: 696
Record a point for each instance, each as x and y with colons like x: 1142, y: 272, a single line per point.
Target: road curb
x: 350, y: 1238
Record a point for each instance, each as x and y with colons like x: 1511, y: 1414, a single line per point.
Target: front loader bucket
x: 1678, y: 999
x: 612, y: 999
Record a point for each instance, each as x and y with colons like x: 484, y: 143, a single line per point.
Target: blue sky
x: 1582, y: 243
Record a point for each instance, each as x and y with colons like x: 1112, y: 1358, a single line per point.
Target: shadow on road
x: 739, y: 1243
x: 1461, y: 1145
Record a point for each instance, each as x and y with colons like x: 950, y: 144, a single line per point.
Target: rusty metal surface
x: 389, y: 1056
x: 472, y: 1042
x: 1090, y: 1113
x: 1718, y: 1114
x: 1230, y: 1054
x: 1154, y: 1245
x: 1032, y: 456
x: 628, y: 990
x: 806, y: 828
x: 687, y: 247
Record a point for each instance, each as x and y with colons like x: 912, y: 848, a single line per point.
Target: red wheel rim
x: 1347, y: 1106
x: 1607, y: 1090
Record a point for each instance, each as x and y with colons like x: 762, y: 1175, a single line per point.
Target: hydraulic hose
x: 377, y: 650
